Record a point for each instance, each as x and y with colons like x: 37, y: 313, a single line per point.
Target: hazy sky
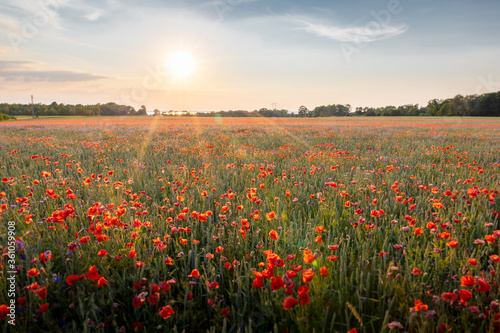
x: 248, y: 54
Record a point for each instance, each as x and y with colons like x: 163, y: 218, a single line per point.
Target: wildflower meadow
x: 249, y: 225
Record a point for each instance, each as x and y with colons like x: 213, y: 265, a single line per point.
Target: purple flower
x: 395, y: 324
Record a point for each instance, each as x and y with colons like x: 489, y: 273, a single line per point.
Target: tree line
x: 264, y: 112
x: 61, y: 109
x: 486, y: 105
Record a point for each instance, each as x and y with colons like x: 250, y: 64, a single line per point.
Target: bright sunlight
x: 180, y: 65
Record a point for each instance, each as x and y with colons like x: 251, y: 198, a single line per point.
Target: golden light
x: 181, y: 65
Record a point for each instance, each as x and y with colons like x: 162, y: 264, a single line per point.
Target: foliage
x: 54, y: 109
x: 487, y: 105
x: 4, y: 117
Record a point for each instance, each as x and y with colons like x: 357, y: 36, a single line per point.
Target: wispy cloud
x: 49, y: 76
x: 93, y: 16
x: 23, y: 71
x: 371, y: 32
x: 13, y: 65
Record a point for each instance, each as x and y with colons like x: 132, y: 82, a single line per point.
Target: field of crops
x: 263, y: 225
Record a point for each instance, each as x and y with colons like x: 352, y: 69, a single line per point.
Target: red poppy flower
x: 307, y: 275
x: 490, y: 238
x: 420, y: 307
x: 320, y: 228
x: 213, y: 285
x: 43, y: 307
x: 42, y: 293
x: 102, y: 282
x: 277, y: 283
x: 137, y: 326
x: 258, y: 283
x: 465, y: 295
x: 304, y: 298
x: 289, y: 303
x: 33, y: 272
x: 84, y: 240
x: 92, y: 274
x: 449, y: 297
x: 484, y: 286
x: 270, y: 216
x: 166, y: 312
x: 225, y: 312
x: 472, y: 261
x: 72, y: 279
x: 309, y: 256
x: 468, y: 281
x: 274, y: 235
x: 195, y: 274
x: 137, y: 301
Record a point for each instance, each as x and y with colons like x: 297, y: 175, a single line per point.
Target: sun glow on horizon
x: 181, y: 64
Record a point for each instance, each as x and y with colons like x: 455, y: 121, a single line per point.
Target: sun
x: 180, y: 64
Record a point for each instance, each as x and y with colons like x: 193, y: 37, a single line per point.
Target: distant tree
x: 457, y: 106
x: 303, y: 111
x: 443, y: 110
x: 347, y: 109
x: 96, y: 109
x: 395, y: 113
x: 142, y: 111
x: 156, y: 112
x: 360, y: 111
x: 433, y: 106
x: 488, y: 105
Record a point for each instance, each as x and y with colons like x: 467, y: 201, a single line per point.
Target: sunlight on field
x: 269, y: 224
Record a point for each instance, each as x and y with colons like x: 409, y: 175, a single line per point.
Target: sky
x: 247, y: 54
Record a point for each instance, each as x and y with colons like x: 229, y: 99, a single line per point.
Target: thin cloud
x: 11, y: 65
x: 50, y: 76
x: 22, y: 71
x: 371, y: 32
x: 95, y: 15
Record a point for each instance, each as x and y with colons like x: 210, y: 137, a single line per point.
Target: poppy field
x: 249, y: 225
